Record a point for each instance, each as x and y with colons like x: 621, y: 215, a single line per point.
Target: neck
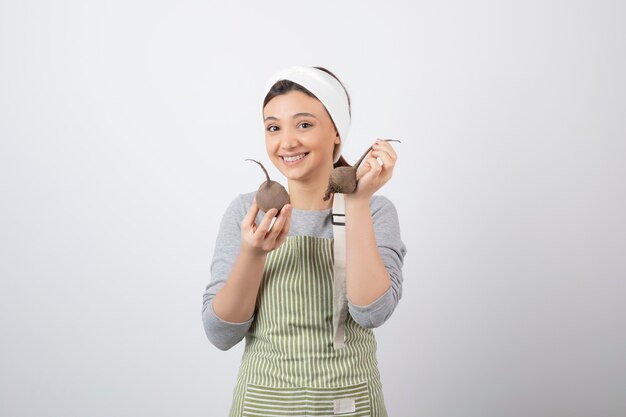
x: 309, y: 195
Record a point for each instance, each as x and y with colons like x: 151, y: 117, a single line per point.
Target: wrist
x: 353, y: 201
x: 251, y: 253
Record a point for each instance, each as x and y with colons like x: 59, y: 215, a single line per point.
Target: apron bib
x: 289, y: 366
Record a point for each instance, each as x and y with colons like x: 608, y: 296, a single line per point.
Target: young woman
x: 276, y: 283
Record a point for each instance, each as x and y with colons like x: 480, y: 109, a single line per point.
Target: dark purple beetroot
x: 270, y: 194
x: 343, y: 179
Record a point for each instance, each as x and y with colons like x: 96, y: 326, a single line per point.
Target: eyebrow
x: 293, y: 117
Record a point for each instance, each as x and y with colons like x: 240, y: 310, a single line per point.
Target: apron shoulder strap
x: 340, y: 301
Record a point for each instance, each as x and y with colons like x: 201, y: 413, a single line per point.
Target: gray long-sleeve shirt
x: 224, y: 334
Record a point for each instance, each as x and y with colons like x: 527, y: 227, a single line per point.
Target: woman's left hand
x: 371, y: 175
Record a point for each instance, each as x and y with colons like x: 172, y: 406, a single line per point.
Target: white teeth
x: 293, y: 158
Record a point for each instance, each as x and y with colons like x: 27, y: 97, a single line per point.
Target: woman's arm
x: 366, y: 276
x: 373, y: 284
x: 391, y: 251
x: 228, y: 307
x: 236, y: 300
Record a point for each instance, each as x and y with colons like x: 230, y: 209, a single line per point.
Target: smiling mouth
x: 294, y: 158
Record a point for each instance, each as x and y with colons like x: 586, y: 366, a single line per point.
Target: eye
x: 269, y: 128
x: 305, y: 123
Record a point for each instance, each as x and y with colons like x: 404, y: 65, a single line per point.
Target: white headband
x: 327, y: 89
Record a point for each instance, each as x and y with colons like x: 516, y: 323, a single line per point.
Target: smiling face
x: 299, y: 136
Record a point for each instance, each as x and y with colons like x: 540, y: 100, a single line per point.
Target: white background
x: 124, y: 126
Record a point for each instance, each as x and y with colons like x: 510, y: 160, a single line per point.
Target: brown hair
x: 285, y: 86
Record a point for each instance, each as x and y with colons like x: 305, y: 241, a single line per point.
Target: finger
x: 374, y: 170
x: 388, y: 162
x: 382, y: 144
x: 374, y: 164
x: 281, y: 220
x: 285, y: 232
x: 362, y: 170
x: 264, y: 226
x: 385, y: 146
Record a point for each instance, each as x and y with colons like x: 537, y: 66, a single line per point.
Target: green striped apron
x: 289, y: 366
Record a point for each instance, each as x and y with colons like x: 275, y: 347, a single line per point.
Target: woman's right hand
x: 259, y: 240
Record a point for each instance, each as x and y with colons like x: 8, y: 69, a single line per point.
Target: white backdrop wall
x: 124, y: 125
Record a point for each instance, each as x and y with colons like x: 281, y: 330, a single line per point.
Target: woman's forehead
x: 294, y: 102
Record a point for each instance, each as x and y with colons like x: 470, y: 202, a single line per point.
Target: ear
x: 337, y: 138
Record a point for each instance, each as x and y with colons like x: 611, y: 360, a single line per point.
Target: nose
x: 289, y: 139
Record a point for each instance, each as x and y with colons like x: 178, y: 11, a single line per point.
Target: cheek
x: 272, y: 147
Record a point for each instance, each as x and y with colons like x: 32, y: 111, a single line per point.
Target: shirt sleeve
x: 392, y: 251
x: 221, y: 333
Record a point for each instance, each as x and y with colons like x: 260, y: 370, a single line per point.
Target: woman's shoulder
x: 242, y: 201
x: 246, y: 198
x: 383, y: 211
x: 238, y: 206
x: 381, y: 202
